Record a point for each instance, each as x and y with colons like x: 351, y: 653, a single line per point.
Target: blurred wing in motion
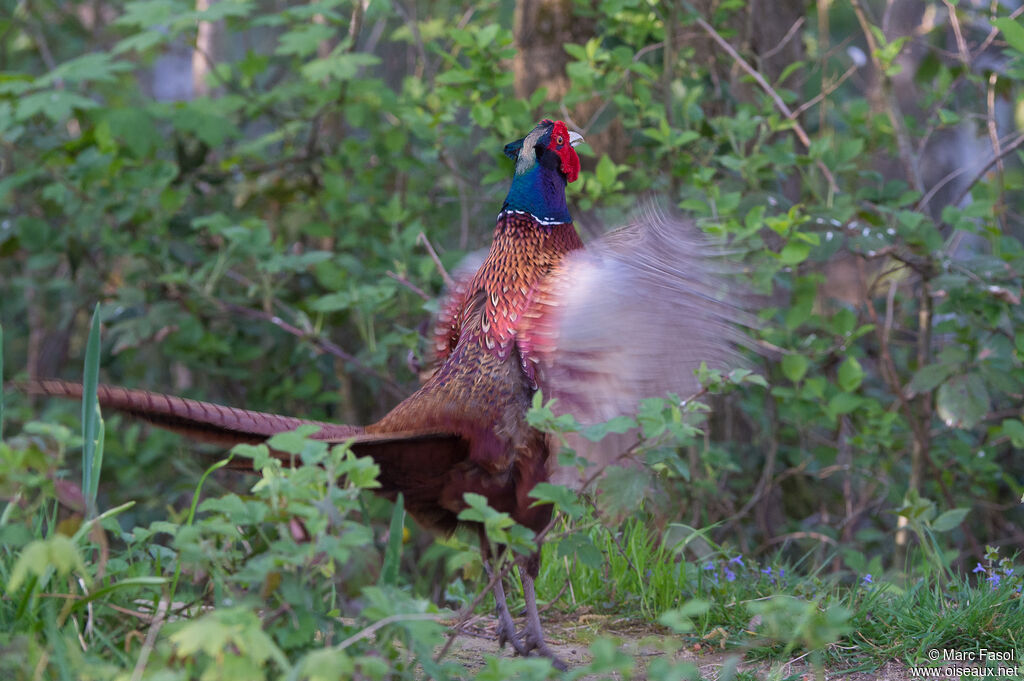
x: 630, y: 317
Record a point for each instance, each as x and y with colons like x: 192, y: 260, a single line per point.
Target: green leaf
x: 1012, y: 31
x: 39, y: 557
x: 1014, y: 429
x: 56, y: 105
x: 564, y: 498
x: 929, y: 377
x: 950, y: 519
x: 794, y: 252
x: 486, y: 35
x: 293, y: 441
x: 303, y: 41
x: 96, y: 67
x: 339, y: 65
x: 680, y: 620
x: 850, y: 375
x: 597, y: 431
x: 794, y: 366
x: 844, y: 403
x: 92, y: 421
x: 605, y: 172
x: 359, y: 471
x: 620, y: 490
x: 582, y: 547
x: 962, y: 401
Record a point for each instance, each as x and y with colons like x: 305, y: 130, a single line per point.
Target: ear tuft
x: 512, y: 149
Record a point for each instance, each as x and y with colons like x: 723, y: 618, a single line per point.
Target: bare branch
x: 448, y: 281
x: 996, y: 158
x: 779, y: 104
x: 825, y: 92
x: 408, y: 284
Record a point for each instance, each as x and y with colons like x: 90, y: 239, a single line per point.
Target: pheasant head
x: 545, y: 163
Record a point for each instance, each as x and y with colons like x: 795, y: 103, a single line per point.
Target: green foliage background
x: 255, y: 246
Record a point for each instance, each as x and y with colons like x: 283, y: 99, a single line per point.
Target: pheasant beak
x: 574, y: 138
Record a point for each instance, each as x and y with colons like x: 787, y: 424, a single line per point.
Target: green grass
x: 846, y: 619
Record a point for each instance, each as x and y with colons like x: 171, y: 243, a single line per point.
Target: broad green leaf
x: 929, y: 377
x: 303, y: 41
x: 58, y: 552
x: 1012, y: 31
x: 794, y: 252
x: 844, y: 403
x: 850, y: 374
x: 950, y: 519
x: 581, y: 546
x: 566, y: 499
x: 962, y: 401
x: 293, y: 441
x: 1014, y: 429
x: 680, y: 620
x: 621, y: 489
x: 794, y: 366
x: 338, y: 66
x: 596, y: 432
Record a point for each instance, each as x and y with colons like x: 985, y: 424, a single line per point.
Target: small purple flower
x: 1007, y: 571
x: 782, y: 573
x: 867, y: 579
x: 767, y: 571
x: 729, y: 574
x: 738, y: 560
x: 994, y: 580
x: 978, y: 568
x: 709, y: 566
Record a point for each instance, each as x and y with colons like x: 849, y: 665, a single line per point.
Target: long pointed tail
x: 203, y: 421
x: 415, y: 462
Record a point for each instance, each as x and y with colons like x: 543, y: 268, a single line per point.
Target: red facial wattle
x: 559, y: 143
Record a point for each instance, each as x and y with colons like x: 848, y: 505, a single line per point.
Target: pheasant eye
x: 559, y: 140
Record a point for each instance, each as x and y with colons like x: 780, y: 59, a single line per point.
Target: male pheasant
x: 600, y: 328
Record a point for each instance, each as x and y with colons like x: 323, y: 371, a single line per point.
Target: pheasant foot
x: 530, y: 639
x: 533, y: 634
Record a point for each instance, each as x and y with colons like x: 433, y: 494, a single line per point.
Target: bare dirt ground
x: 571, y: 638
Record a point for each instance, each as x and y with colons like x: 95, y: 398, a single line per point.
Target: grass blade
x: 91, y: 452
x: 393, y: 553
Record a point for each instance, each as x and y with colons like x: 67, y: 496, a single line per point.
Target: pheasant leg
x: 506, y: 627
x: 533, y: 634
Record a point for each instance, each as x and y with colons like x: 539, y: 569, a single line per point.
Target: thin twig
x: 993, y: 135
x: 369, y: 631
x: 990, y: 38
x: 321, y: 344
x: 150, y: 642
x: 785, y: 39
x: 448, y: 281
x: 961, y: 44
x: 408, y: 284
x: 996, y: 158
x: 797, y: 112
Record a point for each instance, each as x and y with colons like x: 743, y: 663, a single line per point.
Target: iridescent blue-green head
x: 545, y: 163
